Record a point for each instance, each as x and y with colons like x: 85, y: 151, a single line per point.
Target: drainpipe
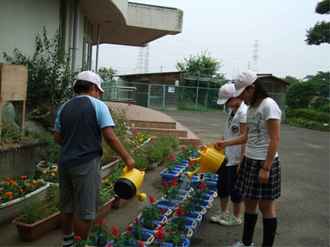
x: 97, y: 48
x: 75, y: 31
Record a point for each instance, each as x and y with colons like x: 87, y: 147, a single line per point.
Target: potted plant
x: 172, y: 235
x: 151, y: 215
x: 39, y: 217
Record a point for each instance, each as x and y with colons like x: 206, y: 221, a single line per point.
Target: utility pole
x: 255, y: 56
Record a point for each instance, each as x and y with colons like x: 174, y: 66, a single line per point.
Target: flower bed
x: 17, y: 193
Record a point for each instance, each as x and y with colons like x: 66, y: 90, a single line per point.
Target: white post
x: 97, y: 48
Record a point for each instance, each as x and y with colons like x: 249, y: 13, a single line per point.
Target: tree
x: 320, y: 33
x: 291, y: 80
x: 200, y: 65
x: 313, y: 92
x: 49, y: 75
x: 107, y: 74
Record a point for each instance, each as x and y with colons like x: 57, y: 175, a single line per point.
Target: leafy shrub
x: 49, y: 74
x: 309, y: 115
x: 141, y: 161
x: 304, y: 123
x: 38, y: 210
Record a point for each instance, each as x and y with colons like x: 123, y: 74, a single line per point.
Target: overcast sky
x: 228, y: 29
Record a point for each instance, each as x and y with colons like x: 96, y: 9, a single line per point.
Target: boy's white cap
x: 91, y: 77
x: 226, y: 92
x: 244, y: 80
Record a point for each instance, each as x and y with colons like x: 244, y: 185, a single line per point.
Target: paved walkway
x: 304, y: 208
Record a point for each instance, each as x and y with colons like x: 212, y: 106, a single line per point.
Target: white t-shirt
x: 258, y: 139
x: 232, y: 129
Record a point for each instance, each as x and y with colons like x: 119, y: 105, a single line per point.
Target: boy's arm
x: 111, y: 138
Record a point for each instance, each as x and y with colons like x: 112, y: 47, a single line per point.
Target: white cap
x: 226, y: 92
x: 91, y: 77
x: 244, y: 80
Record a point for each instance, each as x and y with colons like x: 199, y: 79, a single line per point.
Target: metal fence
x: 161, y: 96
x: 167, y: 97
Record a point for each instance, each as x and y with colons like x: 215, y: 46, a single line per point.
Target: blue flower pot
x: 165, y: 204
x: 185, y: 243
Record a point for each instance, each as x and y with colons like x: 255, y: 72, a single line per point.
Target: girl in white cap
x: 259, y: 180
x: 235, y: 125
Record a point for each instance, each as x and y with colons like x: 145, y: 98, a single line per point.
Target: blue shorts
x: 226, y: 183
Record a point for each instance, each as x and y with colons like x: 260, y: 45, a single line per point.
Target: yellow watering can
x: 210, y: 160
x: 128, y: 185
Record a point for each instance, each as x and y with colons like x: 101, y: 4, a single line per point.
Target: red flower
x: 77, y: 238
x: 23, y: 177
x: 129, y: 228
x: 162, y: 210
x: 136, y: 221
x: 159, y: 234
x: 174, y: 182
x: 202, y: 186
x: 152, y: 199
x: 109, y: 245
x: 100, y: 222
x: 179, y: 212
x: 115, y: 231
x: 140, y: 243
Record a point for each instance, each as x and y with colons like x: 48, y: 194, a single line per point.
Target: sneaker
x: 218, y: 217
x: 240, y: 244
x: 231, y: 220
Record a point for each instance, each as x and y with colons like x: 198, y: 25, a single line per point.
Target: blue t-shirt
x: 80, y: 121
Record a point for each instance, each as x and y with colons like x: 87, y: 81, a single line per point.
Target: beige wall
x: 21, y: 20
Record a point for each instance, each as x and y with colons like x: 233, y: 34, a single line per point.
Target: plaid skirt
x: 248, y: 185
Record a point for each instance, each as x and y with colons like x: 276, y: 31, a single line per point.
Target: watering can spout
x: 210, y: 160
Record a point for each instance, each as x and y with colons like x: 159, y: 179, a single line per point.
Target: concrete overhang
x: 132, y: 24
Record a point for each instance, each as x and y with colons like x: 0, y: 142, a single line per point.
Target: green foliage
x: 141, y: 161
x: 291, y: 80
x: 318, y: 34
x: 38, y: 210
x: 310, y: 114
x: 121, y: 131
x: 52, y: 148
x: 149, y: 215
x: 323, y: 7
x: 107, y: 74
x: 49, y: 73
x: 299, y: 95
x: 200, y: 65
x: 304, y: 94
x: 309, y: 124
